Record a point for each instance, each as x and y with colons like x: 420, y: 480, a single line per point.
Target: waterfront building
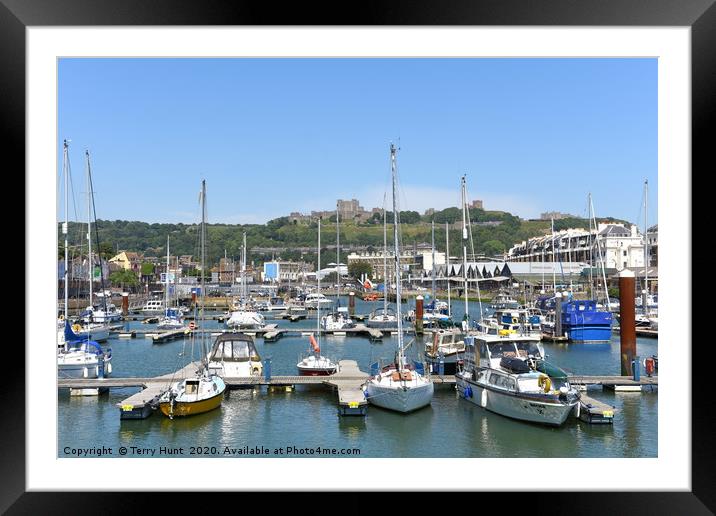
x: 620, y: 247
x: 285, y: 270
x: 418, y: 260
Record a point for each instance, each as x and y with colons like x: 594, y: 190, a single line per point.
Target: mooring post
x: 125, y: 303
x: 267, y: 369
x: 351, y: 303
x: 637, y: 370
x: 419, y: 315
x: 558, y: 314
x: 627, y: 326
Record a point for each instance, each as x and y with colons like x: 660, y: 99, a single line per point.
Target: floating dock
x: 594, y: 411
x: 641, y: 332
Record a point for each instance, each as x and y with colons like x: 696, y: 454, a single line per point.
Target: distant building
x: 476, y: 204
x: 417, y: 260
x: 429, y: 212
x: 556, y: 215
x: 128, y: 260
x: 618, y: 246
x: 277, y: 270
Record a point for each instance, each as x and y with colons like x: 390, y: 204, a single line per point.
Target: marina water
x: 306, y: 418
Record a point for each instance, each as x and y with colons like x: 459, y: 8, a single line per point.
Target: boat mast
x: 447, y: 264
x: 338, y: 260
x: 203, y: 267
x: 96, y: 234
x: 554, y: 273
x: 244, y: 293
x: 646, y: 248
x: 464, y: 248
x: 66, y: 169
x: 166, y: 282
x: 396, y: 221
x: 385, y: 259
x: 602, y: 259
x: 89, y: 229
x: 432, y: 274
x: 591, y: 255
x: 318, y: 283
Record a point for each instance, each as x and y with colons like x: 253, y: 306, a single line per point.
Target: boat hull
x: 190, y: 408
x: 307, y: 371
x: 399, y: 399
x: 514, y: 406
x: 588, y: 333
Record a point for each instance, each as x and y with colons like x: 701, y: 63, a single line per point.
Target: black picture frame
x: 700, y: 15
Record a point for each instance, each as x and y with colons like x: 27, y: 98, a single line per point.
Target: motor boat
x: 508, y: 375
x: 234, y: 355
x: 447, y: 346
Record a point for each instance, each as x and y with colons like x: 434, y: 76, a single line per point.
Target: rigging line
x: 96, y: 232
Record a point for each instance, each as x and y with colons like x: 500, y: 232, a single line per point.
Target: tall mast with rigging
x: 396, y: 222
x: 66, y: 167
x: 447, y: 264
x: 646, y: 247
x: 464, y: 247
x: 89, y: 229
x: 203, y: 267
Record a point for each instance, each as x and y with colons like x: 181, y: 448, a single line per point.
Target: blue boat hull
x: 591, y: 333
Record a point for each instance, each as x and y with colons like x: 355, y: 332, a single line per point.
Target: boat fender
x: 109, y: 368
x: 85, y: 372
x: 545, y: 383
x: 468, y: 392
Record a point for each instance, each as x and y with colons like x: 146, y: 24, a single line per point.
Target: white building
x: 419, y: 261
x: 617, y: 245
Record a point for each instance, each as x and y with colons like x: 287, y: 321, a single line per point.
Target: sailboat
x: 398, y: 386
x: 205, y: 391
x: 77, y: 355
x: 315, y: 364
x: 339, y: 318
x: 173, y: 319
x: 243, y: 316
x: 385, y: 317
x: 92, y: 328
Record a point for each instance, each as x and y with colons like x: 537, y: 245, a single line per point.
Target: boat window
x: 191, y: 387
x: 528, y: 348
x: 502, y: 349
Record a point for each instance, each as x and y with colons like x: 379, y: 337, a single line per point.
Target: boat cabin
x: 490, y: 352
x: 234, y: 347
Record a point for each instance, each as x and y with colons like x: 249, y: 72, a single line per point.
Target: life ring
x: 545, y: 383
x: 76, y: 328
x: 515, y: 320
x: 62, y: 317
x: 192, y: 326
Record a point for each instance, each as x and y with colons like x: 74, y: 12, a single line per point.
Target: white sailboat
x: 173, y: 319
x: 92, y: 329
x: 339, y: 318
x: 243, y: 316
x: 398, y: 386
x: 385, y: 317
x: 77, y: 355
x: 204, y: 391
x: 315, y: 364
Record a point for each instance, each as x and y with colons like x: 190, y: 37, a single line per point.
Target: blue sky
x: 272, y: 136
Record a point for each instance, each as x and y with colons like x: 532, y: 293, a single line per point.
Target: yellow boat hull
x: 184, y: 408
